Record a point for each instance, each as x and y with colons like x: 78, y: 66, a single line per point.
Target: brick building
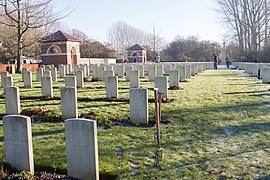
x: 136, y: 53
x: 60, y: 48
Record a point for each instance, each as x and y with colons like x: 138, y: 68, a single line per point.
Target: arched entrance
x: 135, y: 56
x: 73, y: 57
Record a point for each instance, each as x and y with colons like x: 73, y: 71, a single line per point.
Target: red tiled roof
x: 136, y: 47
x: 59, y: 36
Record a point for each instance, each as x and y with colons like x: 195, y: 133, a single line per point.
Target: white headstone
x: 94, y: 71
x: 87, y: 70
x: 69, y: 102
x: 12, y: 100
x: 192, y: 70
x: 48, y: 68
x: 76, y: 67
x: 138, y: 101
x: 121, y: 70
x: 134, y: 78
x: 3, y: 74
x: 161, y: 82
x: 62, y: 70
x: 54, y: 73
x: 128, y: 69
x: 18, y: 142
x: 265, y: 75
x: 183, y: 73
x: 70, y: 81
x: 188, y: 71
x: 39, y: 74
x: 79, y: 79
x: 68, y: 69
x: 174, y: 78
x: 151, y: 73
x: 46, y: 85
x: 47, y: 73
x: 159, y: 70
x: 23, y: 72
x: 167, y: 68
x: 111, y: 85
x: 101, y: 72
x: 82, y: 148
x: 140, y: 67
x: 27, y: 79
x: 7, y: 81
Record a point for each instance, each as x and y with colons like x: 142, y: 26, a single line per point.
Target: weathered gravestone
x: 101, y: 71
x: 82, y: 148
x: 87, y: 70
x: 167, y: 68
x: 140, y: 67
x: 138, y: 101
x: 121, y: 70
x: 182, y: 73
x: 192, y: 70
x: 46, y: 86
x: 188, y: 71
x: 3, y: 74
x: 69, y: 102
x: 23, y: 72
x: 161, y: 82
x: 54, y: 74
x: 79, y: 79
x: 174, y: 78
x: 134, y: 78
x: 151, y: 73
x: 70, y: 81
x: 94, y: 71
x: 62, y: 70
x: 68, y: 69
x: 18, y: 142
x: 7, y: 81
x: 111, y: 85
x: 265, y: 75
x: 128, y: 69
x: 39, y: 74
x: 76, y: 67
x: 47, y: 74
x: 83, y: 69
x: 27, y: 79
x: 48, y: 68
x: 159, y: 70
x: 12, y: 100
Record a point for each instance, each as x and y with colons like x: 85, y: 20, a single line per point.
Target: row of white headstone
x: 69, y: 93
x: 81, y: 134
x: 81, y: 146
x: 260, y: 70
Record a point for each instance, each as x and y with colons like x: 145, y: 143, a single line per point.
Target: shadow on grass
x: 48, y: 132
x: 249, y: 92
x: 207, y: 116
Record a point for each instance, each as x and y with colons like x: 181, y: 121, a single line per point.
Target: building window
x: 54, y: 50
x: 135, y: 54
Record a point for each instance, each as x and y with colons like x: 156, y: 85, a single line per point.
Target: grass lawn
x: 220, y: 130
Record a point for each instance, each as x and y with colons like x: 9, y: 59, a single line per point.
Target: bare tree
x: 26, y: 15
x: 248, y: 21
x: 79, y: 34
x: 122, y: 36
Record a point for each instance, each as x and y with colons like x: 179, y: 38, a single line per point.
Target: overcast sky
x: 171, y: 17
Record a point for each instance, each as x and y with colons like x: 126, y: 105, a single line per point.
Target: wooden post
x: 157, y: 113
